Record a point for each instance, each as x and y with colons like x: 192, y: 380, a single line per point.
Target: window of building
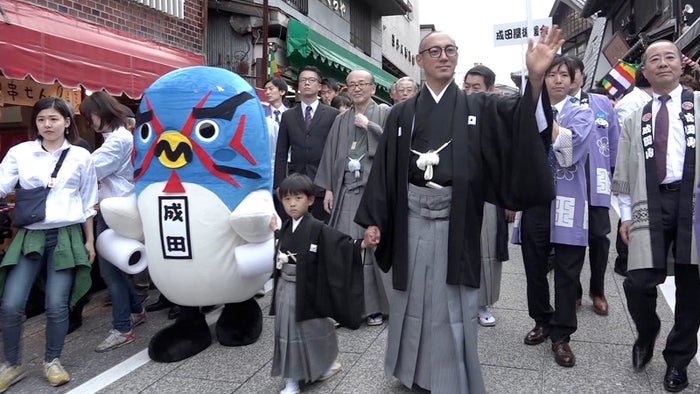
x: 409, y: 15
x: 361, y: 26
x: 300, y: 5
x: 175, y: 8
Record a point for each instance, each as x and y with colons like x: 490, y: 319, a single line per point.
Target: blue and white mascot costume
x: 203, y: 205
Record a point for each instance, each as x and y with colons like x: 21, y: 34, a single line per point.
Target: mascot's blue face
x: 202, y: 125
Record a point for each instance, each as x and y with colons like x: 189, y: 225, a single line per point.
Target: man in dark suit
x: 302, y: 135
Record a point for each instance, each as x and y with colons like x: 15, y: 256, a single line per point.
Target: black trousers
x: 568, y: 261
x: 598, y: 249
x: 641, y: 293
x: 621, y: 246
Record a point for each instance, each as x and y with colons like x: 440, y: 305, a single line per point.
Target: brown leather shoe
x: 600, y: 305
x: 537, y: 335
x: 563, y: 354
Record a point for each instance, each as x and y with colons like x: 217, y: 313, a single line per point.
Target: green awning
x: 308, y: 47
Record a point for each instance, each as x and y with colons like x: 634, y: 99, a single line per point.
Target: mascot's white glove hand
x: 122, y: 215
x: 251, y: 218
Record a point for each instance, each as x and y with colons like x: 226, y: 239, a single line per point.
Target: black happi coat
x: 498, y: 156
x: 328, y: 272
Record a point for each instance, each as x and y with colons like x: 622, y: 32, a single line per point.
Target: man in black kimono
x: 439, y: 144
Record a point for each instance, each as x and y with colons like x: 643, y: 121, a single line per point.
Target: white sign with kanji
x: 516, y: 32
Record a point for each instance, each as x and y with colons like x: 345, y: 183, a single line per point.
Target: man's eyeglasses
x: 308, y: 80
x: 361, y: 85
x: 405, y: 90
x: 436, y: 51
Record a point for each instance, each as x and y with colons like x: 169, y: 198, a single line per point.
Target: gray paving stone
x: 503, y: 345
x: 500, y: 379
x: 180, y: 385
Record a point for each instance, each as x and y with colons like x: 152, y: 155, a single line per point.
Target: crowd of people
x: 390, y: 201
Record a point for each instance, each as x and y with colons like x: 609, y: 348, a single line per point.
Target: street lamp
x: 687, y: 9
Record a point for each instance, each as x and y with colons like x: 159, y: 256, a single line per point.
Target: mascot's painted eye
x: 207, y: 130
x: 145, y: 132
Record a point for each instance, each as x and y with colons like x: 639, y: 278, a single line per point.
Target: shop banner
x: 27, y: 92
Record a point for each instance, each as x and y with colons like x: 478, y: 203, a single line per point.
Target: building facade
x: 335, y: 35
x: 65, y: 48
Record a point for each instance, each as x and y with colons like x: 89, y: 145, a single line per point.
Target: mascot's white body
x: 202, y: 207
x: 214, y: 232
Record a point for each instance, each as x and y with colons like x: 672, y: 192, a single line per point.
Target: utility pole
x: 265, y: 23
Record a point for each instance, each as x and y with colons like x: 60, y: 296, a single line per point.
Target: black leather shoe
x: 676, y: 379
x: 641, y: 353
x: 563, y: 354
x: 161, y: 304
x: 537, y: 335
x: 174, y: 312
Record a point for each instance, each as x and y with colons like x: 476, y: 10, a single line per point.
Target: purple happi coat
x: 569, y: 215
x: 603, y: 148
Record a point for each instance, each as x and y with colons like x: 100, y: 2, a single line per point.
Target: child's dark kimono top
x: 318, y: 275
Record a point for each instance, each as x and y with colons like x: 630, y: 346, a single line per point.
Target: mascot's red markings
x: 209, y: 165
x: 189, y: 123
x: 174, y: 184
x: 237, y: 141
x: 157, y: 129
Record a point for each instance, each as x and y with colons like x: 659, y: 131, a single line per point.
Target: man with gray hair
x: 343, y: 171
x: 403, y: 89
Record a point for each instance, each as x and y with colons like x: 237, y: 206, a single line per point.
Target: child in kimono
x: 318, y: 275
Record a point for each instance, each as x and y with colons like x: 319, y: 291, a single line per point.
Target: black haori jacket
x: 499, y: 156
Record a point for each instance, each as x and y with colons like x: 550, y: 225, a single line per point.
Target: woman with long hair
x: 106, y: 116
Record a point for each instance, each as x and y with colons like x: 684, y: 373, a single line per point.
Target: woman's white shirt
x: 113, y: 164
x: 74, y: 194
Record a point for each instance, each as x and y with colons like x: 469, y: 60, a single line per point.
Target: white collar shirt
x: 113, y: 164
x: 675, y: 150
x: 74, y: 194
x: 314, y: 107
x: 632, y: 101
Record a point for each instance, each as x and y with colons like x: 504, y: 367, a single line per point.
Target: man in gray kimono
x: 655, y: 178
x: 343, y: 171
x: 494, y: 228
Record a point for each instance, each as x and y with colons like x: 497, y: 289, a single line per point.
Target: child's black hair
x: 295, y: 184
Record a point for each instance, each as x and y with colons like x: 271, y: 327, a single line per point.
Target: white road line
x: 113, y: 374
x: 129, y: 365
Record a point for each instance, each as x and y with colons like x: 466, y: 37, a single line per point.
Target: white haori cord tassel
x: 355, y: 165
x: 427, y: 160
x: 283, y: 258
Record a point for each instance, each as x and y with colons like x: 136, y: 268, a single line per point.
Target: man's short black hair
x: 578, y: 65
x: 278, y: 83
x: 485, y: 72
x: 312, y: 69
x: 331, y: 83
x: 295, y: 184
x: 567, y: 62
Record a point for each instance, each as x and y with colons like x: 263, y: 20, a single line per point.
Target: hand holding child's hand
x: 372, y: 236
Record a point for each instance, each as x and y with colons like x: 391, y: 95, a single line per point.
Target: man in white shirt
x: 626, y: 106
x: 655, y: 178
x: 275, y: 90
